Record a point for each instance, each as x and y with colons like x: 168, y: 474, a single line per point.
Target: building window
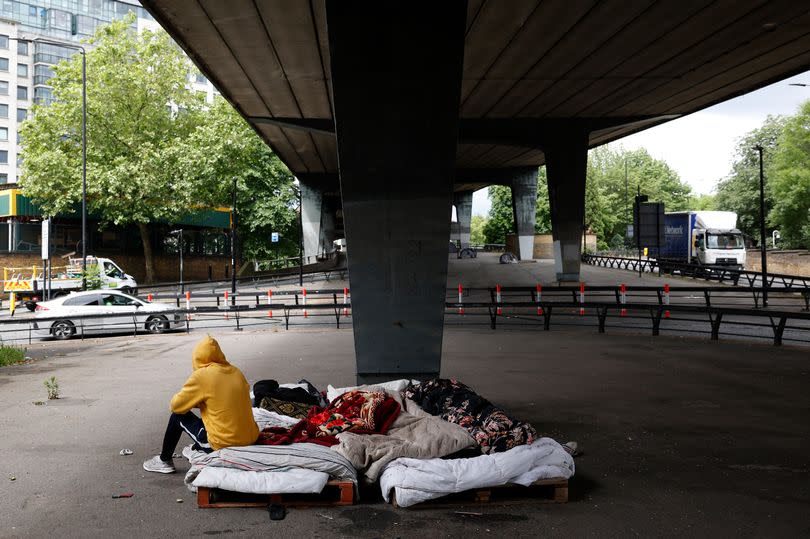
x: 3, y: 178
x: 22, y: 114
x: 4, y: 64
x: 22, y: 70
x: 22, y: 92
x: 3, y: 111
x: 200, y: 78
x: 3, y: 133
x: 3, y: 157
x: 4, y: 42
x: 22, y: 48
x: 3, y: 87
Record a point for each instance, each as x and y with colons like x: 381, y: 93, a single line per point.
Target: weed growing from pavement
x: 9, y: 355
x: 53, y: 388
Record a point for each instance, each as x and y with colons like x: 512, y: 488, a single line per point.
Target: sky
x: 700, y: 147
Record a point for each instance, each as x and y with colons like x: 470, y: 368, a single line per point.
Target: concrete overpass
x: 399, y: 105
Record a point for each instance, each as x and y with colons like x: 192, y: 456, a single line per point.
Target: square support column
x: 396, y: 139
x: 311, y: 206
x: 566, y: 166
x: 463, y: 202
x: 524, y: 210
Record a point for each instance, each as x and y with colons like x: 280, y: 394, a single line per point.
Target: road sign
x: 274, y: 237
x: 46, y: 244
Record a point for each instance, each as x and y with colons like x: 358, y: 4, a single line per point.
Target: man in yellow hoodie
x: 222, y: 394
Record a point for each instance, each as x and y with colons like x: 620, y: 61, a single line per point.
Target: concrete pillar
x: 328, y: 218
x: 566, y: 165
x: 524, y: 210
x: 463, y: 203
x: 396, y: 139
x: 311, y: 205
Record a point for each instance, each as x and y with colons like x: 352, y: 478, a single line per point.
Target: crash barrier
x: 776, y: 325
x: 779, y: 298
x: 697, y: 271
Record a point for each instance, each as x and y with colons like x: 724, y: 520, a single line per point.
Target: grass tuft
x: 9, y: 355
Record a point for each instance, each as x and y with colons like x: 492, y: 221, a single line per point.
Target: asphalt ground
x: 681, y: 438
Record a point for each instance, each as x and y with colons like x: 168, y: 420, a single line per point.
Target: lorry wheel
x: 63, y: 330
x: 157, y: 324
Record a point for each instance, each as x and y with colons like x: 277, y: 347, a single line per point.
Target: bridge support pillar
x: 566, y: 164
x: 524, y: 209
x: 311, y: 209
x: 396, y: 140
x: 327, y: 241
x: 463, y: 202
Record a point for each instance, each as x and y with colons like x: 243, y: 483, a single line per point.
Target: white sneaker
x: 187, y: 452
x: 159, y: 466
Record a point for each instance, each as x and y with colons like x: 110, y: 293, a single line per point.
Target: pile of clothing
x: 419, y: 440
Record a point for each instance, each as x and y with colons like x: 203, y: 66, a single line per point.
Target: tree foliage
x: 477, y: 224
x: 608, y: 197
x: 155, y: 150
x: 790, y: 180
x: 739, y: 191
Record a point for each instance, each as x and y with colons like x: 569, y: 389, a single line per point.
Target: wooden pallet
x: 334, y: 493
x: 543, y: 490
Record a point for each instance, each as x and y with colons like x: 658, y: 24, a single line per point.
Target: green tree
x: 703, y: 202
x: 477, y: 224
x: 133, y: 134
x: 790, y: 180
x: 223, y: 147
x: 500, y: 221
x: 739, y: 191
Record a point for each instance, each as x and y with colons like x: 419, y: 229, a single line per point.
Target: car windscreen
x: 724, y: 241
x: 111, y: 270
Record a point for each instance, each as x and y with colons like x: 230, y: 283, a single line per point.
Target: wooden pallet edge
x: 483, y: 495
x: 346, y: 497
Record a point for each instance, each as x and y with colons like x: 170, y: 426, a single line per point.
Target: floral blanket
x: 361, y: 412
x: 492, y: 429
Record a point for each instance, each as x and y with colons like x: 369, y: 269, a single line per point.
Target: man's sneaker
x: 159, y: 466
x: 187, y: 451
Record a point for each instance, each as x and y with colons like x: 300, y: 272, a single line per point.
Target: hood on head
x: 206, y: 352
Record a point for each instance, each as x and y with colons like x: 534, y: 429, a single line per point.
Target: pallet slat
x: 552, y: 490
x: 334, y: 493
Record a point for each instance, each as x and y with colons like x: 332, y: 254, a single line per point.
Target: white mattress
x: 416, y: 480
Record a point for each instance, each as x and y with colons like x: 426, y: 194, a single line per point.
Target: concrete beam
x: 524, y: 209
x: 566, y: 165
x: 396, y: 139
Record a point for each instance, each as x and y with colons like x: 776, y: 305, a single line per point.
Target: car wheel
x: 126, y: 290
x: 62, y: 330
x: 157, y: 324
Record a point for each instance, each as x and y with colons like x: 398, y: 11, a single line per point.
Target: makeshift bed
x: 419, y: 441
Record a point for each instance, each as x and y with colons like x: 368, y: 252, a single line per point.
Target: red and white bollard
x: 623, y: 299
x: 538, y: 298
x: 498, y: 311
x: 188, y: 304
x: 581, y: 298
x: 666, y: 300
x: 304, y: 301
x: 226, y: 305
x: 149, y: 298
x: 460, y: 299
x: 270, y: 302
x: 345, y: 302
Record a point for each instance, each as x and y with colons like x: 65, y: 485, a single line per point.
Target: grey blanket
x: 414, y: 434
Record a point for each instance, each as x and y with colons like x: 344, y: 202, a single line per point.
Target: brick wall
x: 787, y: 262
x: 544, y: 245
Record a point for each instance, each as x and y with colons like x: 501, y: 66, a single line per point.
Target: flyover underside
x: 396, y: 147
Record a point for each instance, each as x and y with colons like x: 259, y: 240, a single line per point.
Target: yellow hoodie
x: 222, y: 394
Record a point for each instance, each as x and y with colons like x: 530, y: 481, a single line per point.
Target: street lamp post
x: 83, y: 52
x: 763, y: 251
x: 179, y: 233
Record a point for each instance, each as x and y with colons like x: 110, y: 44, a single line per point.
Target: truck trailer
x: 707, y: 238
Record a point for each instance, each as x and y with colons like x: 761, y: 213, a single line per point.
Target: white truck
x: 709, y: 238
x: 30, y: 282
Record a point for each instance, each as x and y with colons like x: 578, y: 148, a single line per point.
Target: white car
x: 124, y: 313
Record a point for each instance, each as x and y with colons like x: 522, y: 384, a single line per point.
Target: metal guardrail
x: 755, y: 323
x: 718, y: 273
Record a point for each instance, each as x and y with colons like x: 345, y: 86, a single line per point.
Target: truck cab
x: 718, y: 247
